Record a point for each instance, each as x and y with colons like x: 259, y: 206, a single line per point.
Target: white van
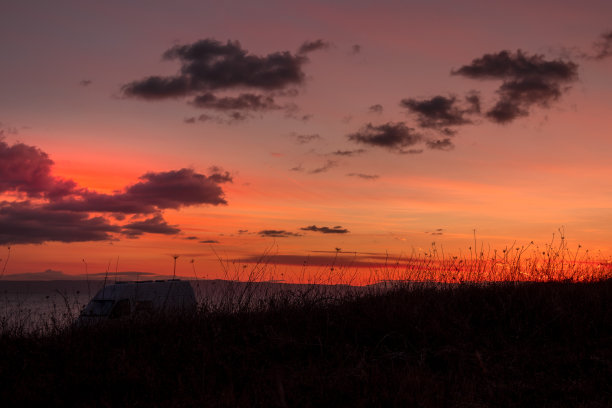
x: 123, y: 299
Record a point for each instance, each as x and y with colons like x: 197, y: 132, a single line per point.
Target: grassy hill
x: 506, y: 344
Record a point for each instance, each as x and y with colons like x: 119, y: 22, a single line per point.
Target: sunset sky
x: 134, y: 131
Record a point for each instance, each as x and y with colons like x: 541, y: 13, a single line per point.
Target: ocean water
x: 29, y: 305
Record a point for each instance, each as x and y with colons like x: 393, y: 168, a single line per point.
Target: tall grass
x: 263, y: 284
x: 555, y: 261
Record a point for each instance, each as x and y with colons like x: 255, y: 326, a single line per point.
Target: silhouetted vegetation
x: 501, y: 344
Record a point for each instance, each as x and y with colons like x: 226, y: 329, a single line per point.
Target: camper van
x: 123, y: 299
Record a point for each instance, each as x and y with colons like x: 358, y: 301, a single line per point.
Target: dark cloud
x: 190, y: 120
x: 61, y: 212
x: 440, y: 144
x: 603, y: 46
x: 528, y: 80
x: 244, y: 101
x: 208, y: 67
x: 209, y: 241
x: 156, y: 191
x: 277, y: 234
x: 191, y: 238
x: 378, y: 108
x: 85, y: 82
x: 442, y: 112
x: 153, y: 225
x: 393, y: 136
x: 27, y: 169
x: 517, y: 96
x: 303, y: 139
x: 328, y: 165
x: 297, y: 168
x: 310, y: 46
x: 348, y: 153
x: 364, y: 176
x: 506, y: 111
x: 211, y: 65
x: 24, y: 223
x: 326, y: 230
x: 355, y: 49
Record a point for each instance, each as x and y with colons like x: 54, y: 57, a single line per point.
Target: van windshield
x: 98, y: 308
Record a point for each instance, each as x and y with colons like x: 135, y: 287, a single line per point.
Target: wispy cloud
x: 378, y: 108
x: 304, y: 139
x: 310, y: 46
x: 364, y: 176
x: 602, y: 48
x: 348, y: 153
x: 325, y: 167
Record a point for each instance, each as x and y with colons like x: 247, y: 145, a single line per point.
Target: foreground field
x: 528, y: 344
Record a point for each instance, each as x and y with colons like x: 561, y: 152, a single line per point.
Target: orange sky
x: 65, y: 76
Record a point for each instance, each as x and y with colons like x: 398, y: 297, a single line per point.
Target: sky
x: 219, y: 132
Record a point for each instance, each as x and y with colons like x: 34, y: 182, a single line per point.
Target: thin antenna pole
x: 174, y: 271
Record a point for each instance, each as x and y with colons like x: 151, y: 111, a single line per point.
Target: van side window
x: 122, y: 308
